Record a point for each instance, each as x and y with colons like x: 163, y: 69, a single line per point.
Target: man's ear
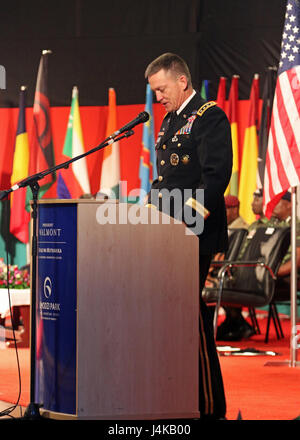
x: 183, y: 82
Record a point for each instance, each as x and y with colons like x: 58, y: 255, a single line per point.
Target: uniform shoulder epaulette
x: 205, y: 106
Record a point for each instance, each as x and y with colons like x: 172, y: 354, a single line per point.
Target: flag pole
x: 293, y: 283
x: 292, y: 362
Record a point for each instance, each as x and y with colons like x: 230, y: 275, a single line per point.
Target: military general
x: 194, y: 158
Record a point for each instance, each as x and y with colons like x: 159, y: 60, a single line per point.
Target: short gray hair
x: 169, y: 62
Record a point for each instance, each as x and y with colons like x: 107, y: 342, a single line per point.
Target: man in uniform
x: 234, y: 220
x: 282, y: 213
x: 235, y: 327
x: 261, y: 222
x: 194, y: 152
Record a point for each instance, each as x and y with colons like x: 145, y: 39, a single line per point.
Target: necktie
x: 172, y: 122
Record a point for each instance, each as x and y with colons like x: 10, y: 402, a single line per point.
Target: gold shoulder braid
x: 205, y: 106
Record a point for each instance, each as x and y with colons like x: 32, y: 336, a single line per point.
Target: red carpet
x: 257, y: 391
x: 9, y: 376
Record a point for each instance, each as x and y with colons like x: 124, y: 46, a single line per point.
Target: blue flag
x: 205, y: 90
x: 148, y: 171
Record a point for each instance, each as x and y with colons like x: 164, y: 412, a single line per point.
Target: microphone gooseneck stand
x: 32, y: 411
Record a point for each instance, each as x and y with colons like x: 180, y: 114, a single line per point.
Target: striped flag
x: 110, y: 175
x: 205, y: 89
x: 41, y: 148
x: 233, y: 119
x: 248, y: 172
x: 74, y: 181
x: 282, y: 169
x: 19, y: 216
x: 265, y: 122
x: 148, y: 171
x: 221, y: 95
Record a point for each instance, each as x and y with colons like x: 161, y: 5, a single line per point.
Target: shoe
x: 224, y: 328
x: 244, y: 331
x: 247, y: 331
x: 230, y: 336
x: 211, y: 417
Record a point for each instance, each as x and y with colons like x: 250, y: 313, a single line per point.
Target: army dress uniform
x: 194, y: 151
x: 261, y: 222
x: 282, y: 286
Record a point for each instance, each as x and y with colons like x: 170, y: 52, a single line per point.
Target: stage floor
x: 16, y: 413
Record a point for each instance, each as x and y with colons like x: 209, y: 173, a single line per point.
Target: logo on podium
x: 47, y: 287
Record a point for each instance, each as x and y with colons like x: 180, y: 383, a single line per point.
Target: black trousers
x: 212, y: 403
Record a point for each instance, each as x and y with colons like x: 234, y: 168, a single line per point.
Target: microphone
x: 142, y: 117
x: 25, y: 182
x: 5, y: 192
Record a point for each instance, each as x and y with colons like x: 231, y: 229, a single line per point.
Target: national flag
x: 19, y: 216
x: 221, y: 95
x: 233, y: 119
x: 282, y: 169
x: 265, y: 122
x: 148, y: 171
x: 74, y: 181
x: 41, y: 148
x: 110, y: 175
x: 205, y: 90
x: 248, y: 172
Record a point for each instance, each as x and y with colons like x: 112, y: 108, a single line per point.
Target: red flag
x: 221, y: 96
x: 282, y: 169
x: 41, y: 148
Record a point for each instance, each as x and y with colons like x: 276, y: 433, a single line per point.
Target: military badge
x: 186, y: 129
x: 185, y: 159
x: 174, y: 159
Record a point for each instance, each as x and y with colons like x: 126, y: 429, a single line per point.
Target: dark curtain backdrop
x: 97, y: 45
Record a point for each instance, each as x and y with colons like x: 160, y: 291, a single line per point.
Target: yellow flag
x: 233, y: 119
x: 248, y: 173
x: 19, y: 216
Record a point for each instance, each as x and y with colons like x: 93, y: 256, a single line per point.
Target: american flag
x: 282, y: 169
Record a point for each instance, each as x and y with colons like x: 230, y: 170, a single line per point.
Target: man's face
x: 282, y: 210
x: 169, y: 89
x: 232, y: 212
x: 257, y: 205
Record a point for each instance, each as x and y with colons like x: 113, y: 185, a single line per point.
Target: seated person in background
x: 262, y: 220
x: 235, y: 326
x: 282, y: 214
x: 234, y: 221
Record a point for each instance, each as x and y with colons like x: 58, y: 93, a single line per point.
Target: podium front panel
x: 124, y: 342
x: 138, y: 296
x: 56, y: 308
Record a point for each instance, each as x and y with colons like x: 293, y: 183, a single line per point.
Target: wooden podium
x: 134, y: 317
